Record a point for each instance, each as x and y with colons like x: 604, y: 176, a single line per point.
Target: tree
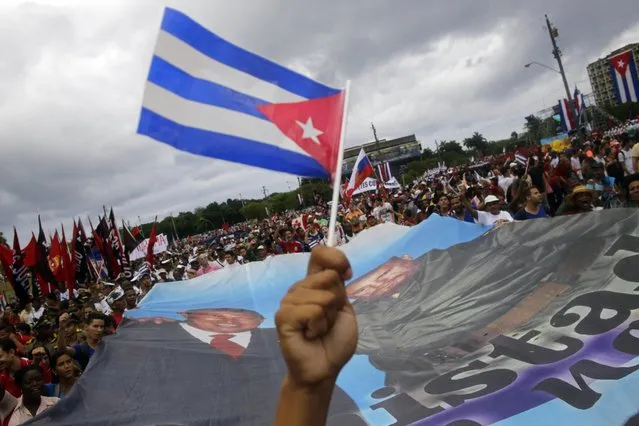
x: 476, y: 142
x: 3, y: 240
x: 514, y: 136
x: 450, y: 146
x: 428, y: 153
x: 534, y: 127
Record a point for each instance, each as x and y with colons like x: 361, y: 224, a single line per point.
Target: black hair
x: 7, y: 344
x: 64, y: 305
x: 528, y: 190
x: 95, y: 316
x: 23, y: 328
x: 18, y: 377
x: 39, y: 346
x: 52, y: 296
x: 57, y: 355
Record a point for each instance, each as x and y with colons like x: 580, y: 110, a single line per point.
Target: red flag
x: 30, y: 252
x: 55, y: 259
x: 315, y: 125
x: 67, y: 264
x: 6, y: 259
x: 135, y: 231
x: 149, y: 251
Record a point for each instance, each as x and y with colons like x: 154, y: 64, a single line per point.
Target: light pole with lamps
x: 541, y: 65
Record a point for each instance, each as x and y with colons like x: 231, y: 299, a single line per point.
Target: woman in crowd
x: 632, y: 191
x: 32, y: 402
x: 64, y: 374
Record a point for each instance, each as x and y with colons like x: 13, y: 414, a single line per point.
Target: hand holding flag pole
x: 337, y: 176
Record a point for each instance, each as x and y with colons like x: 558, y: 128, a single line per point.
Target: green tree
x: 428, y: 153
x: 514, y: 136
x: 3, y: 240
x: 450, y: 146
x: 476, y: 142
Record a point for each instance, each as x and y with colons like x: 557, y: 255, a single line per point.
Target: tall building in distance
x: 601, y: 76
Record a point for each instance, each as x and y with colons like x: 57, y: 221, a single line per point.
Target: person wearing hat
x: 493, y: 215
x: 44, y: 335
x: 118, y: 304
x: 578, y: 201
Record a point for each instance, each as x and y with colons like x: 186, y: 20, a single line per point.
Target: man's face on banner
x: 223, y: 320
x: 385, y: 281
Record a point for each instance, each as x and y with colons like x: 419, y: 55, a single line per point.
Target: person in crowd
x: 44, y: 335
x: 493, y: 215
x: 41, y: 356
x: 230, y: 260
x: 117, y: 301
x: 533, y: 208
x: 32, y: 401
x: 94, y: 331
x: 458, y: 211
x: 315, y: 237
x: 632, y: 191
x: 371, y: 221
x: 580, y: 200
x: 383, y: 211
x: 634, y: 153
x: 65, y: 374
x: 289, y: 245
x: 205, y: 266
x: 624, y: 156
x: 27, y: 314
x: 10, y: 363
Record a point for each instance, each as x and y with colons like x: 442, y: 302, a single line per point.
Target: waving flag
x: 206, y: 96
x: 624, y: 77
x: 566, y: 114
x: 361, y: 170
x: 384, y: 171
x: 55, y: 258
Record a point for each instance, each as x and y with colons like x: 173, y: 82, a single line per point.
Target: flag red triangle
x: 315, y: 125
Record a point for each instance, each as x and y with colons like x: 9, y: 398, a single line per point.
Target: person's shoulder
x: 635, y: 150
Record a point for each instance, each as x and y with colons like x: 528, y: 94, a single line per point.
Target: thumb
x: 323, y: 258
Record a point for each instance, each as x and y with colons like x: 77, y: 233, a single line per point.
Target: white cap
x: 490, y: 199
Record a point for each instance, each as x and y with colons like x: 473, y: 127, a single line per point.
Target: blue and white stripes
x: 202, y: 94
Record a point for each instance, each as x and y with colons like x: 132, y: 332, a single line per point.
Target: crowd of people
x: 46, y: 344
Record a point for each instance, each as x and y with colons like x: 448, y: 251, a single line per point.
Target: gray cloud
x: 72, y: 75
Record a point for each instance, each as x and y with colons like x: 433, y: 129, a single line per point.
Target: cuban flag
x: 566, y: 115
x: 384, y: 171
x: 361, y: 170
x: 580, y: 103
x: 207, y: 96
x: 624, y: 77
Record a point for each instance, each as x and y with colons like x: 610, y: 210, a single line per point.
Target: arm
x: 635, y: 164
x: 318, y: 335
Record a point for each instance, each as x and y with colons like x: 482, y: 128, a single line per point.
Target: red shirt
x: 6, y: 379
x: 117, y: 316
x: 291, y: 246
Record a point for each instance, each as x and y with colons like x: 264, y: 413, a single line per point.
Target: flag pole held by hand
x: 337, y: 179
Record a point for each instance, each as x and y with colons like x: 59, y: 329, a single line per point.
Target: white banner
x: 370, y: 184
x: 161, y: 245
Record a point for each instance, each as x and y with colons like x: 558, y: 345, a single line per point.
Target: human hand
x: 316, y: 322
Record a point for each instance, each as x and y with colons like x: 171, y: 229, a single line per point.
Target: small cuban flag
x: 207, y: 96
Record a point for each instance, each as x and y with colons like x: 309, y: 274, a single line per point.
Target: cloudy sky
x: 72, y: 76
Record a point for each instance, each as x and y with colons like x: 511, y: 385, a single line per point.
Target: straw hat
x: 581, y: 189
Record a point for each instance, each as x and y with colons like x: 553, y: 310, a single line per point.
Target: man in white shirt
x: 383, y: 211
x: 493, y: 214
x: 575, y: 164
x: 625, y: 158
x: 504, y: 182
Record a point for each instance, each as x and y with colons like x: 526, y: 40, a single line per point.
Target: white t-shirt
x: 485, y: 218
x: 576, y: 166
x: 384, y: 213
x: 626, y: 157
x: 505, y: 182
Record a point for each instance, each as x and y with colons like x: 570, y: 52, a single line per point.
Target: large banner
x: 160, y: 246
x: 532, y: 323
x: 370, y: 184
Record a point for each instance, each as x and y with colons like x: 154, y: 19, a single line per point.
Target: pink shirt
x: 206, y: 270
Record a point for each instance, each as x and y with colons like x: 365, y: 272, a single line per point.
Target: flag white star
x: 310, y: 132
x: 620, y: 63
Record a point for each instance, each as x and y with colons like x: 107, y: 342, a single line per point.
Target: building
x: 396, y: 151
x: 601, y: 77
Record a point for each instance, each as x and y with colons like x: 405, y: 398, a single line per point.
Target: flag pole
x: 338, y: 168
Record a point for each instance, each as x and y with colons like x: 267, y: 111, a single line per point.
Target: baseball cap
x: 491, y: 199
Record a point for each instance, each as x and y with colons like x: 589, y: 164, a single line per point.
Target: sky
x: 72, y: 76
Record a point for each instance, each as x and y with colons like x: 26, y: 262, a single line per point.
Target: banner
x: 370, y: 184
x: 161, y: 245
x: 445, y: 336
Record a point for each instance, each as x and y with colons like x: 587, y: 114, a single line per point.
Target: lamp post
x: 541, y: 65
x: 553, y: 33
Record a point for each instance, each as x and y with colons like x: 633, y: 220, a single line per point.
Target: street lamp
x: 542, y: 65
